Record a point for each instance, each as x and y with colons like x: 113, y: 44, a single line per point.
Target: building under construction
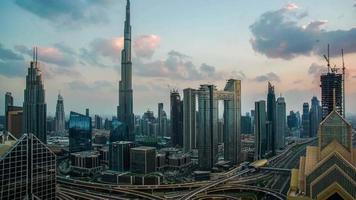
x: 333, y: 84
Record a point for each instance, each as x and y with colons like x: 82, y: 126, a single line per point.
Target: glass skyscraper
x: 80, y: 132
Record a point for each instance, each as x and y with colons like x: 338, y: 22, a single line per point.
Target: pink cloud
x: 145, y: 45
x: 291, y: 6
x: 108, y: 47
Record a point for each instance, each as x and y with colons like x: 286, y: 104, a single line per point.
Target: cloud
x: 145, y: 45
x: 268, y: 77
x: 69, y: 13
x: 316, y: 70
x: 11, y: 63
x: 59, y: 54
x: 291, y: 6
x: 278, y: 34
x: 239, y: 75
x: 176, y: 66
x: 100, y: 85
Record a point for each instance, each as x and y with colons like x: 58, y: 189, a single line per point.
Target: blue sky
x: 177, y: 43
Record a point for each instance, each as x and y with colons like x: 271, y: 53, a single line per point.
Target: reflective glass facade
x: 335, y: 128
x: 80, y: 132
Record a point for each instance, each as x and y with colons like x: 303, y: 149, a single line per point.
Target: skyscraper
x: 189, y: 119
x: 9, y: 101
x: 160, y: 120
x: 59, y: 119
x: 80, y: 132
x: 271, y: 119
x: 305, y: 120
x: 246, y: 124
x: 260, y: 130
x: 125, y: 109
x: 314, y: 117
x: 176, y: 119
x: 34, y: 105
x: 120, y: 156
x: 98, y: 121
x: 281, y: 124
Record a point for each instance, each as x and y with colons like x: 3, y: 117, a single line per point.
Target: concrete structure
x: 34, y: 105
x: 331, y: 82
x: 9, y: 101
x: 315, y: 115
x: 271, y: 120
x: 176, y: 119
x: 143, y: 160
x: 27, y: 168
x: 125, y: 108
x: 189, y: 119
x: 305, y: 121
x: 281, y: 124
x: 260, y: 130
x: 60, y: 116
x: 14, y: 120
x: 80, y: 132
x: 328, y: 171
x: 85, y: 162
x: 208, y: 97
x: 120, y: 156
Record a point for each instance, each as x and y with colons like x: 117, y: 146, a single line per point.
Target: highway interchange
x: 272, y: 181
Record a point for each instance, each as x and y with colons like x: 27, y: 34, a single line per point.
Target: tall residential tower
x: 125, y: 109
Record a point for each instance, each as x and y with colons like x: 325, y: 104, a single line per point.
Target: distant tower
x: 305, y: 120
x: 176, y: 119
x: 34, y: 105
x: 9, y: 101
x: 60, y: 119
x: 281, y: 122
x: 260, y: 130
x: 315, y: 115
x: 271, y: 119
x: 160, y: 120
x: 189, y: 119
x: 125, y: 109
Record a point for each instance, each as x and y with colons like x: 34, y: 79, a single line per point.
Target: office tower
x: 232, y: 120
x: 80, y: 132
x: 176, y: 119
x: 143, y: 160
x: 314, y: 116
x: 9, y: 101
x: 253, y: 120
x: 117, y: 131
x: 15, y: 120
x: 161, y: 132
x: 98, y: 121
x: 271, y: 119
x: 119, y: 156
x: 246, y: 124
x: 281, y: 117
x: 87, y: 113
x: 327, y: 171
x: 292, y: 120
x: 305, y: 121
x: 28, y: 168
x: 330, y: 82
x: 51, y: 124
x: 189, y: 119
x: 125, y: 109
x: 60, y: 116
x: 34, y: 105
x: 208, y: 119
x: 221, y: 131
x: 260, y: 130
x: 165, y: 125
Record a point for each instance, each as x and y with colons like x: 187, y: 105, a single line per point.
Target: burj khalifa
x: 125, y: 108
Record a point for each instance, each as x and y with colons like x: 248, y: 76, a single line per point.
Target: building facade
x: 189, y: 119
x: 119, y: 156
x: 143, y: 160
x: 315, y: 116
x: 176, y: 119
x: 332, y: 85
x: 9, y: 101
x: 60, y: 116
x: 271, y: 120
x: 80, y: 132
x: 34, y: 105
x: 260, y: 130
x: 305, y: 121
x: 281, y: 124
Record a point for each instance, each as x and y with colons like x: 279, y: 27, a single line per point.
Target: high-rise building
x: 305, y: 121
x: 119, y: 156
x: 260, y: 130
x: 98, y: 121
x: 176, y: 119
x: 116, y: 131
x: 327, y: 171
x: 246, y: 124
x: 125, y: 108
x: 28, y: 168
x: 60, y: 116
x: 34, y: 105
x: 189, y: 119
x: 281, y: 124
x: 271, y: 119
x: 9, y: 101
x: 332, y: 84
x: 87, y: 112
x: 292, y: 120
x: 161, y: 132
x: 80, y: 132
x: 315, y: 115
x: 143, y: 160
x: 15, y: 121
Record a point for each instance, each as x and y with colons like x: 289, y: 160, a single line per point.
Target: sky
x: 176, y: 44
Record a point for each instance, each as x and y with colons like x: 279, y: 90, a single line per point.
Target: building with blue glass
x: 80, y: 132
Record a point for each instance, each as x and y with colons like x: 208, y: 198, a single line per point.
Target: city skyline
x: 162, y: 57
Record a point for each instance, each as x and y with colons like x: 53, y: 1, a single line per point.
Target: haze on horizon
x: 176, y: 44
